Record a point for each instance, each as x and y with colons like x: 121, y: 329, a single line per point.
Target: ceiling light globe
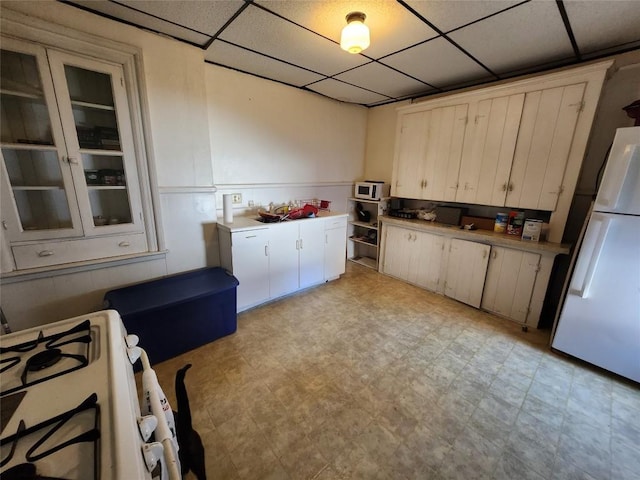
x: 355, y: 35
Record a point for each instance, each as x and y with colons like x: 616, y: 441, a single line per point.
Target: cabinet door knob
x: 124, y: 244
x: 301, y: 247
x: 266, y: 250
x: 510, y: 187
x: 504, y: 187
x: 4, y: 225
x: 72, y: 160
x: 45, y: 253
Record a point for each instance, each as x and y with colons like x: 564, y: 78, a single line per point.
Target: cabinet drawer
x: 339, y: 222
x: 55, y: 253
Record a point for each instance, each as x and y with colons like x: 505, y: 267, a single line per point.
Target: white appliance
x: 371, y: 190
x: 600, y: 318
x: 70, y: 406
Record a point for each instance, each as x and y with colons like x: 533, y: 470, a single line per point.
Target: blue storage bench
x: 179, y: 313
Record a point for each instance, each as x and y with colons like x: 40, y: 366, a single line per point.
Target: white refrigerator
x: 600, y: 319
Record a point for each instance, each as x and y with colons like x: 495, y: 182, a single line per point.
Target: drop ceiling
x: 418, y: 47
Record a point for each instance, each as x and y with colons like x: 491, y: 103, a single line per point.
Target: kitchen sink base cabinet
x: 474, y: 268
x: 273, y: 260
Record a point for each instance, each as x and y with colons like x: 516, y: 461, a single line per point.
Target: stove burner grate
x: 52, y: 351
x: 40, y: 446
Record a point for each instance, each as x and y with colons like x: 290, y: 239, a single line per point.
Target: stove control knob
x: 131, y: 340
x: 152, y: 452
x: 134, y: 354
x: 147, y: 426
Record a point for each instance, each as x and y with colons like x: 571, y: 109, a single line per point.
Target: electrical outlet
x: 251, y: 204
x: 237, y: 198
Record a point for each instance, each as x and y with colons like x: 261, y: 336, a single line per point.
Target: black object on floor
x: 191, y: 452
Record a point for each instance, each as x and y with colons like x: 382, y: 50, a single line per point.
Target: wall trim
x: 231, y: 186
x: 188, y: 190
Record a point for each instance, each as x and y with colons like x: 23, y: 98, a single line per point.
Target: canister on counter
x: 532, y: 230
x: 516, y: 220
x: 501, y: 222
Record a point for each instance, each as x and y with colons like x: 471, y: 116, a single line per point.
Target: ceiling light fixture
x: 355, y: 35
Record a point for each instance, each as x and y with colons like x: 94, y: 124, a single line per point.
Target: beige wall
x: 274, y: 144
x: 381, y: 133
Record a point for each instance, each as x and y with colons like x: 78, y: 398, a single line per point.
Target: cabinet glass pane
x: 108, y: 194
x: 93, y: 108
x: 42, y: 209
x: 33, y: 168
x: 25, y: 118
x: 38, y: 188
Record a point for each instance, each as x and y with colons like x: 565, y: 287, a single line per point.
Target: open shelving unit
x: 362, y: 247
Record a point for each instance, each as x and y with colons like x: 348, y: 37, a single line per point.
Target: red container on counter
x: 515, y: 223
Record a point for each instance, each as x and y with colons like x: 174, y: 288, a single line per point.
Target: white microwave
x: 370, y: 190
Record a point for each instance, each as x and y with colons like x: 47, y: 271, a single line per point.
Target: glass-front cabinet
x: 69, y: 162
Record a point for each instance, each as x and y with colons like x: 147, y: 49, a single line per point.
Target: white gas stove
x: 70, y: 407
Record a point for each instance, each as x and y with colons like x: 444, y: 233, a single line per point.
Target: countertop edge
x: 249, y: 222
x: 481, y: 236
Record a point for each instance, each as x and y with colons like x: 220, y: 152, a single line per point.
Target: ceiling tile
x: 530, y: 34
x: 438, y: 63
x: 392, y: 26
x: 345, y: 93
x: 247, y: 61
x: 448, y: 14
x: 266, y: 33
x: 143, y: 20
x: 382, y: 79
x: 599, y: 25
x: 205, y: 17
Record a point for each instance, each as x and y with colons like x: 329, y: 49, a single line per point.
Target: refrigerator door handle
x: 591, y: 248
x: 612, y: 188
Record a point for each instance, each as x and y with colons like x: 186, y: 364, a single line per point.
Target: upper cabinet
x: 429, y: 153
x: 547, y: 126
x: 519, y: 144
x: 488, y: 150
x: 69, y: 162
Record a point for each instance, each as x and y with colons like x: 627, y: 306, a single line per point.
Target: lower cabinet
x: 275, y: 260
x: 335, y: 247
x: 296, y: 256
x: 511, y: 283
x: 428, y: 261
x: 466, y: 271
x: 246, y: 255
x: 510, y: 280
x: 415, y: 257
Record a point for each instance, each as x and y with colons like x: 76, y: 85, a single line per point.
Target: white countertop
x: 482, y: 236
x: 250, y: 222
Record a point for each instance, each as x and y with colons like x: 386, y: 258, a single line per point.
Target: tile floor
x: 368, y: 377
